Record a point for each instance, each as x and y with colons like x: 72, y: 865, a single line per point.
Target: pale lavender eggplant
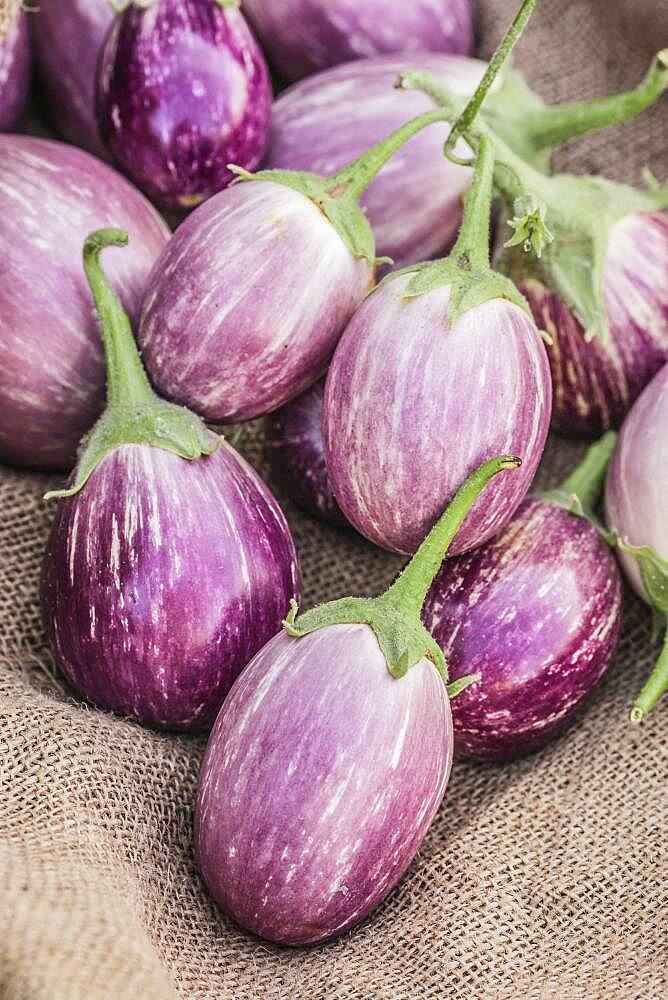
x: 303, y: 36
x: 243, y: 309
x: 596, y: 381
x: 636, y: 499
x: 52, y: 375
x: 14, y: 72
x: 162, y: 578
x: 296, y: 454
x: 324, y: 122
x: 321, y: 777
x: 412, y: 406
x: 68, y: 36
x: 536, y: 612
x: 183, y: 91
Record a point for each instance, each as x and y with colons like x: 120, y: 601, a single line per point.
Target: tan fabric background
x: 542, y: 879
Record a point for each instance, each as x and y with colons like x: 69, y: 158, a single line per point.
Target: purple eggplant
x: 14, y: 72
x: 636, y: 508
x: 183, y: 91
x: 68, y: 37
x: 169, y: 562
x: 52, y: 375
x: 243, y: 310
x: 294, y: 447
x: 324, y: 122
x: 438, y: 369
x: 330, y: 757
x: 302, y: 36
x: 536, y: 612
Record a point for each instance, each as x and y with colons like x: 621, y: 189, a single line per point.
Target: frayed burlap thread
x: 543, y: 879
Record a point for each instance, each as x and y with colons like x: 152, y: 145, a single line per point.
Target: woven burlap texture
x: 542, y: 879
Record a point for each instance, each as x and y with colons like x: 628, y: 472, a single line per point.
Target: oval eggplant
x: 52, y: 376
x: 302, y: 36
x: 14, y: 72
x: 324, y: 122
x: 296, y: 453
x: 169, y: 562
x: 69, y: 35
x: 536, y: 612
x: 183, y: 91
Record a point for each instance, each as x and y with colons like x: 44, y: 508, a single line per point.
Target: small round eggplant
x: 330, y: 757
x: 244, y: 308
x: 536, y: 612
x: 183, y: 91
x: 52, y: 372
x: 302, y: 36
x: 294, y: 447
x: 169, y: 562
x: 14, y: 72
x: 68, y: 38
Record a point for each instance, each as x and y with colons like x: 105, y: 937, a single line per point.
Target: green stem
x: 127, y: 382
x: 586, y: 481
x: 550, y: 126
x: 502, y: 53
x: 409, y: 590
x: 654, y: 688
x: 352, y: 181
x: 472, y: 247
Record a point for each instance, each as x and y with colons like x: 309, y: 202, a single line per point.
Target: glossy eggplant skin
x: 162, y: 578
x: 303, y: 36
x: 322, y: 775
x: 296, y: 454
x: 413, y: 405
x: 596, y: 381
x: 536, y: 612
x: 15, y: 66
x: 69, y: 35
x: 183, y: 91
x: 52, y: 373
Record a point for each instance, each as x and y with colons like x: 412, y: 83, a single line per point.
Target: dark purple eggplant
x: 331, y: 755
x: 183, y: 91
x: 14, y: 72
x: 169, y: 563
x: 536, y: 612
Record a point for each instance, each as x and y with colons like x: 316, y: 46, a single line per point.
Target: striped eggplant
x: 245, y: 306
x: 330, y: 757
x: 68, y: 36
x: 302, y: 36
x: 169, y: 562
x: 52, y: 375
x: 294, y: 447
x: 14, y: 72
x: 438, y: 369
x: 182, y: 91
x: 536, y: 612
x: 636, y: 509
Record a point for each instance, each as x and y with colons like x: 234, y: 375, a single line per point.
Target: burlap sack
x: 541, y: 879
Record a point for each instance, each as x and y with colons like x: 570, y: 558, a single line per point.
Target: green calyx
x: 395, y: 615
x: 580, y: 492
x: 338, y: 197
x: 134, y: 414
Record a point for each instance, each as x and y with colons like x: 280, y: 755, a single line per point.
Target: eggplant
x: 295, y: 450
x: 52, y: 376
x: 536, y: 613
x: 303, y: 36
x: 441, y: 367
x: 169, y: 563
x: 183, y: 91
x: 15, y: 66
x: 68, y: 37
x: 330, y: 757
x: 636, y: 509
x: 243, y: 309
